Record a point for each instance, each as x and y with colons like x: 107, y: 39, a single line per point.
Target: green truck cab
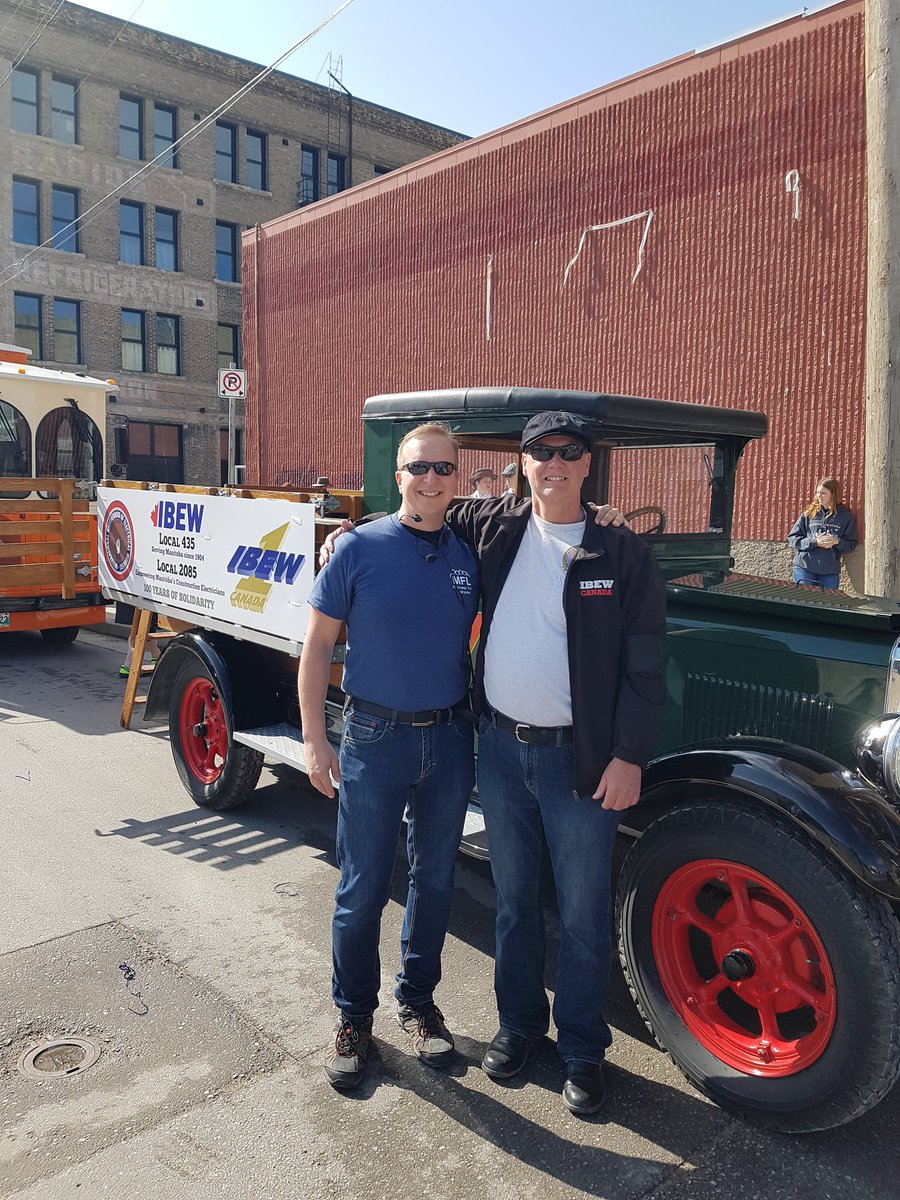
x: 758, y: 906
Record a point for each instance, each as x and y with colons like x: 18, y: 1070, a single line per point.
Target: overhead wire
x: 150, y: 167
x: 32, y: 39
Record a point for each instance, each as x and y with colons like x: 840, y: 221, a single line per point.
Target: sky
x: 469, y: 65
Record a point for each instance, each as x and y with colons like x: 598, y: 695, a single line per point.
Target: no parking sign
x: 232, y: 383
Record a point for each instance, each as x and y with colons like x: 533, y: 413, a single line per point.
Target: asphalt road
x: 192, y: 949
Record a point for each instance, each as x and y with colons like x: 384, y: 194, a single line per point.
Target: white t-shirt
x: 526, y: 666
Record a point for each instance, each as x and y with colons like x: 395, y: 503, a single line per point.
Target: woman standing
x: 820, y: 536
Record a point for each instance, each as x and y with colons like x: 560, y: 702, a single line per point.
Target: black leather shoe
x: 507, y: 1054
x: 584, y: 1090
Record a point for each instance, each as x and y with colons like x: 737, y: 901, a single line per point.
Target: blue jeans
x: 386, y: 770
x: 828, y: 582
x: 527, y: 794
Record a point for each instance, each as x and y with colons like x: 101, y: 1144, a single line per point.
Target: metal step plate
x: 282, y: 742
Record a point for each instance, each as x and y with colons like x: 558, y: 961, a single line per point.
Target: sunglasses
x: 420, y: 467
x: 568, y: 453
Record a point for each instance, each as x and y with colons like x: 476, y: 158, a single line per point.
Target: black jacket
x: 615, y: 621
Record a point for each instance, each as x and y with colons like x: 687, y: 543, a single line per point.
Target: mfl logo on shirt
x: 596, y: 587
x: 461, y: 580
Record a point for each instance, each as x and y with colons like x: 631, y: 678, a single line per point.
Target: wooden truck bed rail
x: 44, y: 543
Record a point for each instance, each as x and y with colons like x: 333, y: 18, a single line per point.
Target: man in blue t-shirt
x: 407, y: 590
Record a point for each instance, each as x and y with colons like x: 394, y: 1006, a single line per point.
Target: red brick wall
x: 738, y: 304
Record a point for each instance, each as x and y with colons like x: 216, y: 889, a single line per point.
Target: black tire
x: 847, y: 1040
x: 60, y: 635
x: 217, y: 772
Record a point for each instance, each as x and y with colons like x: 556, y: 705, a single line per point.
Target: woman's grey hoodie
x: 802, y: 540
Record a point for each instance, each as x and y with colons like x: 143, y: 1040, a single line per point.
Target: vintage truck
x: 758, y: 907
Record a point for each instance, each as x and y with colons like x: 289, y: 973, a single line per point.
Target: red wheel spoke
x: 768, y: 1020
x: 782, y: 938
x: 796, y: 986
x: 741, y: 898
x: 702, y: 922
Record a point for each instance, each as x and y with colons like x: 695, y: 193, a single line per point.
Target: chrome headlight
x: 877, y: 750
x: 892, y: 689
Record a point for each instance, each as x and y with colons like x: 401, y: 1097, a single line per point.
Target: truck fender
x: 233, y: 664
x: 851, y: 821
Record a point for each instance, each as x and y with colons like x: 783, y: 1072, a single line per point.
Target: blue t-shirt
x: 409, y: 606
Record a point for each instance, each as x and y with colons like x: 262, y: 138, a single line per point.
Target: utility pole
x: 882, y: 462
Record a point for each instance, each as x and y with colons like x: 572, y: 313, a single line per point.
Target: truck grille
x: 716, y: 707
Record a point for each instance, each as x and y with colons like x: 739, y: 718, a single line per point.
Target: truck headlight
x: 877, y: 750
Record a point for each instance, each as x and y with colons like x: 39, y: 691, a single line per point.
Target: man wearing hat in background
x: 569, y: 692
x: 509, y: 475
x: 481, y: 481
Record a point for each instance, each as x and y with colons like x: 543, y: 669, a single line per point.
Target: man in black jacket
x: 569, y: 693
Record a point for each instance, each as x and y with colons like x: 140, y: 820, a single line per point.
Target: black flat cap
x: 548, y: 424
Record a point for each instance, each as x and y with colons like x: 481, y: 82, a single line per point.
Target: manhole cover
x: 60, y: 1056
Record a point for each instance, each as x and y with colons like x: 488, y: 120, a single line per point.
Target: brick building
x: 147, y: 288
x: 752, y: 290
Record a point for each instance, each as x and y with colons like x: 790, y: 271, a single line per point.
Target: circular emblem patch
x: 118, y: 540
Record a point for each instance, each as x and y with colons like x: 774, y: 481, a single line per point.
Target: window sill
x: 229, y: 282
x: 244, y: 187
x: 43, y: 138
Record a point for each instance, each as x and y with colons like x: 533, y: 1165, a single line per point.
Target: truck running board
x: 284, y: 743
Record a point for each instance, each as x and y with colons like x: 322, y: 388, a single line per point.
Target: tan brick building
x: 146, y: 287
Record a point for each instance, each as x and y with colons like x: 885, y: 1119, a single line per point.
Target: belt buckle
x: 519, y: 737
x: 421, y: 724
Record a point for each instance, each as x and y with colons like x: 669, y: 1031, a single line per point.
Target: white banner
x: 247, y: 562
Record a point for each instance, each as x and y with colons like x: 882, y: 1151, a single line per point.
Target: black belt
x: 428, y: 716
x: 534, y: 735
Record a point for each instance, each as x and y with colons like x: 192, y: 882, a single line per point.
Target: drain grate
x: 59, y: 1057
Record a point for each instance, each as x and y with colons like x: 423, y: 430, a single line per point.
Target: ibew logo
x: 596, y: 587
x: 177, y: 514
x: 262, y: 566
x: 269, y: 565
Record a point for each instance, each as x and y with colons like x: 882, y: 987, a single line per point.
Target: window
x: 168, y: 344
x: 228, y: 346
x: 226, y: 152
x: 165, y: 126
x: 308, y: 191
x: 15, y: 447
x: 26, y: 211
x: 28, y: 323
x: 379, y: 170
x: 226, y: 252
x: 155, y: 452
x: 131, y: 127
x: 134, y: 354
x: 255, y: 167
x: 69, y: 443
x: 66, y: 331
x: 166, y: 257
x: 65, y: 213
x: 223, y: 454
x: 25, y: 93
x: 64, y: 122
x: 335, y: 182
x: 131, y: 233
